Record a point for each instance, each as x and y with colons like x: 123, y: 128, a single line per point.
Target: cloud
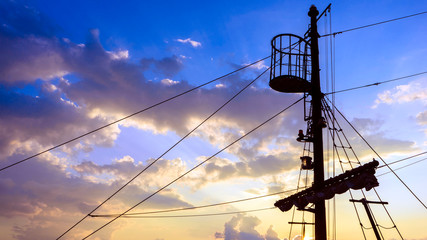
x: 192, y: 42
x: 413, y: 91
x: 23, y: 20
x: 259, y: 66
x: 370, y: 130
x: 271, y: 234
x: 119, y: 55
x: 422, y: 118
x: 168, y: 66
x: 126, y: 167
x: 168, y: 82
x: 31, y: 123
x: 241, y: 227
x: 50, y: 199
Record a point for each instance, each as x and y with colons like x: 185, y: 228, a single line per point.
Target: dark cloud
x: 168, y: 66
x: 18, y: 19
x: 28, y: 45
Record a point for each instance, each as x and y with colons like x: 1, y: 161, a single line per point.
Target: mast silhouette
x: 316, y: 127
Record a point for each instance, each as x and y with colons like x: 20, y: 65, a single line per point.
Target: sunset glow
x: 94, y: 94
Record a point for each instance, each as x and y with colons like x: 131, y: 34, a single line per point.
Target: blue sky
x: 68, y: 67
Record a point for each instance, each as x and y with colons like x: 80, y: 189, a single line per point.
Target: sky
x: 68, y: 67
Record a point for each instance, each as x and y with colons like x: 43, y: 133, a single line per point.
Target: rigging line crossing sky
x: 173, y: 146
x: 377, y: 83
x: 404, y: 166
x: 331, y: 118
x: 328, y: 114
x: 193, y: 215
x: 197, y: 207
x: 326, y: 106
x: 374, y: 24
x: 253, y: 198
x: 403, y: 159
x: 131, y: 115
x: 201, y: 163
x: 407, y: 187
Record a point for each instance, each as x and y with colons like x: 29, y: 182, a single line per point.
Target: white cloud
x: 259, y: 66
x: 192, y: 42
x: 168, y: 82
x: 119, y: 55
x: 413, y: 91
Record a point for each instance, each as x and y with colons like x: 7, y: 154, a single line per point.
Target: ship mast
x: 316, y: 127
x: 295, y: 69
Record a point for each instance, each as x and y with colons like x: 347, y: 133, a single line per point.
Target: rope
x: 373, y: 24
x: 385, y: 208
x: 404, y: 159
x: 403, y: 167
x: 332, y: 133
x: 413, y: 194
x: 377, y: 83
x: 195, y: 207
x: 195, y: 215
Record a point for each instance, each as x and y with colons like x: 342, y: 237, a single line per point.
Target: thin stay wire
x: 173, y: 146
x: 404, y: 159
x: 407, y: 165
x: 331, y: 118
x: 131, y: 115
x: 201, y: 163
x: 199, y: 215
x: 377, y: 83
x: 369, y: 145
x: 374, y: 24
x: 328, y: 109
x: 196, y: 207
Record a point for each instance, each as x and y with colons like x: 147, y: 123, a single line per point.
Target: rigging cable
x: 305, y: 149
x: 377, y: 83
x: 196, y: 207
x: 404, y: 159
x: 293, y: 212
x: 173, y: 146
x: 198, y: 215
x: 375, y: 221
x: 326, y: 106
x: 131, y: 115
x: 351, y: 125
x: 386, y: 227
x: 332, y: 52
x: 410, y: 164
x: 201, y: 163
x: 327, y: 114
x: 373, y: 24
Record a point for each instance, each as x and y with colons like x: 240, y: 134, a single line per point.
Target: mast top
x: 313, y: 11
